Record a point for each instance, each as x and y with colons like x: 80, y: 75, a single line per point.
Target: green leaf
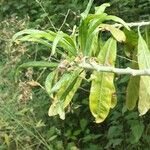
x: 87, y: 31
x: 102, y: 86
x: 117, y: 33
x: 95, y: 45
x: 49, y: 82
x: 144, y: 63
x: 117, y: 19
x: 38, y: 64
x: 60, y: 36
x: 137, y: 130
x: 96, y: 21
x: 30, y: 38
x: 34, y: 32
x: 107, y: 55
x: 83, y: 124
x: 65, y: 89
x: 46, y: 38
x: 74, y: 89
x: 66, y: 93
x: 63, y: 81
x: 87, y: 10
x: 100, y: 9
x: 132, y: 93
x: 131, y: 42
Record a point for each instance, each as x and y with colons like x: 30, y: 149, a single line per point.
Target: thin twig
x: 46, y: 13
x: 127, y: 58
x: 64, y: 19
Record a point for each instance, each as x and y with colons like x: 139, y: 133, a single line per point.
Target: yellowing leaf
x: 114, y: 97
x: 65, y: 89
x: 144, y: 63
x: 117, y: 33
x: 100, y: 95
x: 57, y: 108
x: 132, y: 92
x: 144, y: 96
x: 102, y: 87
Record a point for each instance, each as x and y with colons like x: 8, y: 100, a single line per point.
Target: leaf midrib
x: 102, y: 76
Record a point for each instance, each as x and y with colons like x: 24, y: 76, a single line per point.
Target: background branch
x: 134, y: 24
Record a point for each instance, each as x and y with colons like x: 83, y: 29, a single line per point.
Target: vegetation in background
x: 24, y: 123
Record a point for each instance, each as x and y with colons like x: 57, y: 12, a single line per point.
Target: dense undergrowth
x: 24, y: 123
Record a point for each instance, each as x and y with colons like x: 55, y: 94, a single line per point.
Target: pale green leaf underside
x: 144, y: 63
x: 144, y: 96
x: 132, y: 92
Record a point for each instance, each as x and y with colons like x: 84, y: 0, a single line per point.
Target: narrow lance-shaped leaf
x: 117, y: 19
x: 87, y: 10
x: 144, y: 63
x: 30, y: 38
x: 92, y: 28
x: 132, y: 93
x: 88, y: 32
x: 57, y: 105
x: 100, y: 9
x: 102, y: 86
x: 49, y: 81
x: 59, y: 37
x: 95, y: 46
x: 34, y: 32
x: 63, y: 80
x: 65, y: 94
x: 74, y: 89
x: 46, y: 37
x: 39, y: 64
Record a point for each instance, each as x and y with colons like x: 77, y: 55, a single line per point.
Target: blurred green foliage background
x: 24, y: 123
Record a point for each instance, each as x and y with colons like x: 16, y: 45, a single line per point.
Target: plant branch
x: 134, y: 24
x: 100, y: 68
